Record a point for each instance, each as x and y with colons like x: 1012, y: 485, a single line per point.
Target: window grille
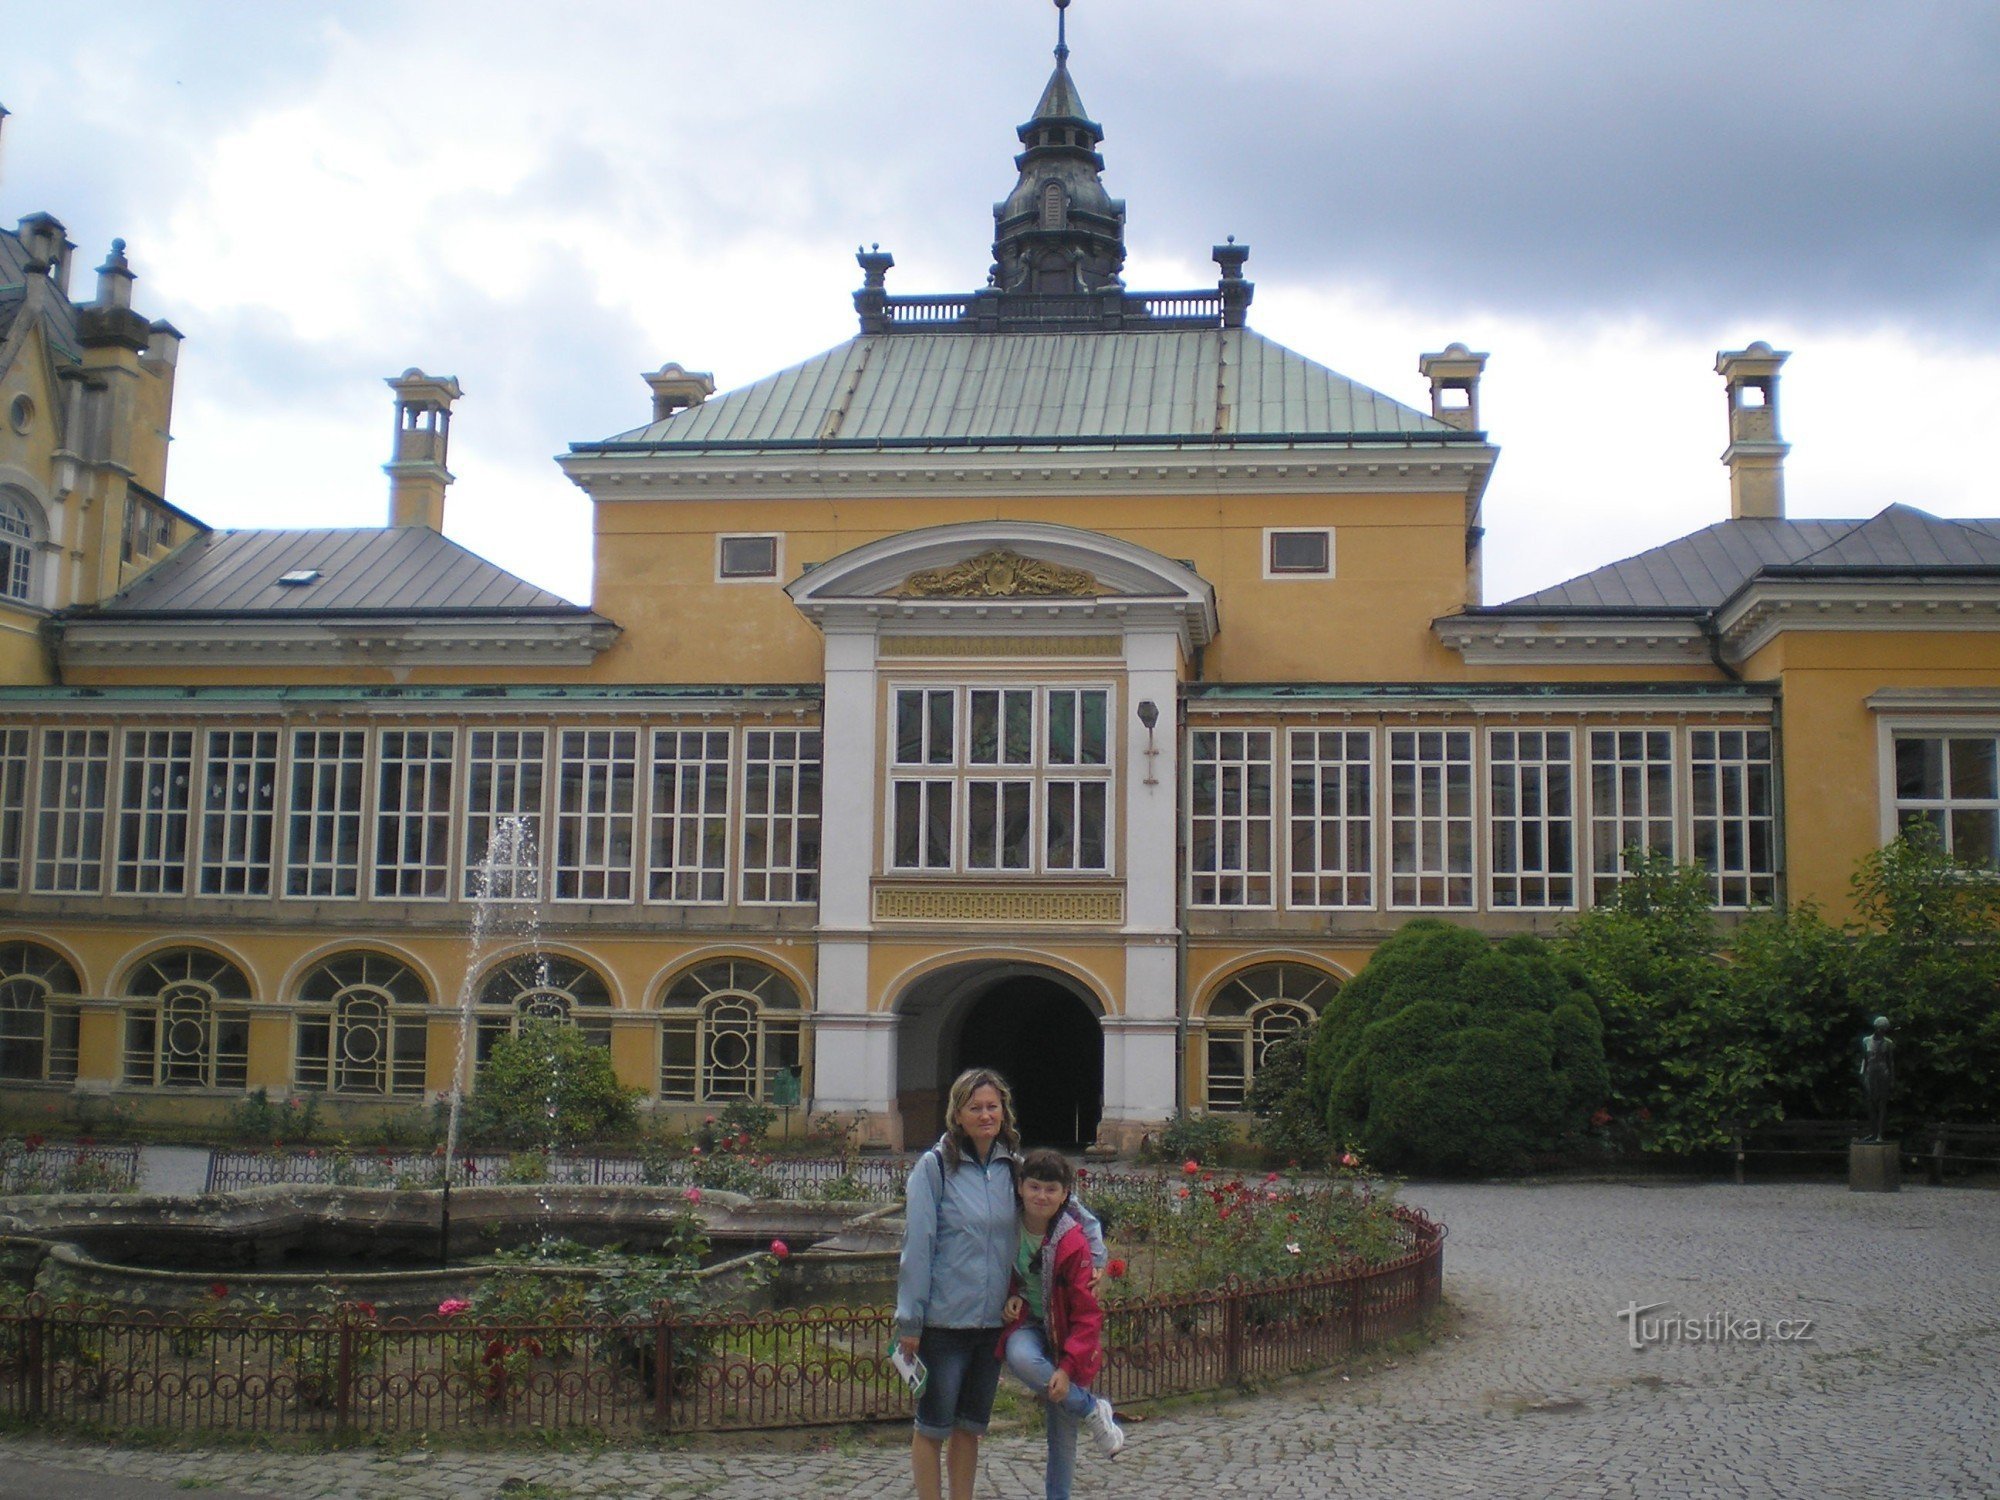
x: 1531, y: 784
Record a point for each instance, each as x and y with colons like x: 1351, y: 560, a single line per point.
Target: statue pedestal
x: 1874, y: 1167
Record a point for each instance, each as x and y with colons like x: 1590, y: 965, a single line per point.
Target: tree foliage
x: 549, y: 1085
x: 1453, y: 1054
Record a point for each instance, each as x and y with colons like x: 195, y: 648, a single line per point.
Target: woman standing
x: 958, y: 1250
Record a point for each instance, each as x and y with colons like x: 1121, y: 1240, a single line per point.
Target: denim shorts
x: 964, y: 1365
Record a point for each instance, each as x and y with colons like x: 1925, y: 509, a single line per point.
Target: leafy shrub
x: 549, y: 1085
x: 1450, y: 1054
x: 1202, y: 1137
x: 255, y: 1120
x: 1290, y: 1120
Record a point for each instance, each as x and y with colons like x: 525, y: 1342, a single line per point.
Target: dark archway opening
x: 1046, y: 1043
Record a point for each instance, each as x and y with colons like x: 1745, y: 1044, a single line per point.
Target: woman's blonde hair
x: 955, y: 1145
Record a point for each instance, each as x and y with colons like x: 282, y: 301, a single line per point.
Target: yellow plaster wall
x: 22, y: 657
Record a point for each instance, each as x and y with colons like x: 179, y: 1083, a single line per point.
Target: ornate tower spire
x: 1059, y: 231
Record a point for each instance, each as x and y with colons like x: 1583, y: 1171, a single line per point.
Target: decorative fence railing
x: 352, y: 1373
x: 868, y: 1179
x: 34, y: 1166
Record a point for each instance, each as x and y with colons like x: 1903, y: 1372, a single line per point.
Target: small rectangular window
x: 1298, y: 554
x: 747, y: 556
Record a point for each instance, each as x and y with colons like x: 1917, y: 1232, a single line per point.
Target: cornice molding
x: 1606, y: 640
x: 1765, y: 608
x: 332, y: 643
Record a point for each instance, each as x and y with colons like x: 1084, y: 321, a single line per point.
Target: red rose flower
x: 219, y: 1290
x: 1191, y: 1166
x: 780, y: 1249
x: 1115, y: 1269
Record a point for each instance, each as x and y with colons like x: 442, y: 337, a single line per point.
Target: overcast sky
x: 546, y: 200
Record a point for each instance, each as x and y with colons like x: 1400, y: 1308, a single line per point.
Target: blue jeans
x: 1029, y: 1362
x: 964, y: 1374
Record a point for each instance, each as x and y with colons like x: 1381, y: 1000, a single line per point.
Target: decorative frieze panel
x: 999, y: 645
x: 957, y: 903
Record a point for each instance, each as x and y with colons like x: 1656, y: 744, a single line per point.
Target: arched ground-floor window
x: 38, y: 1031
x: 362, y: 1027
x: 185, y: 1025
x: 728, y: 1030
x: 1252, y: 1013
x: 545, y: 986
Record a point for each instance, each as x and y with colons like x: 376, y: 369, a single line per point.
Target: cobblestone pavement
x: 1535, y: 1391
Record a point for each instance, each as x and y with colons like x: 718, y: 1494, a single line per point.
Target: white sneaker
x: 1104, y: 1429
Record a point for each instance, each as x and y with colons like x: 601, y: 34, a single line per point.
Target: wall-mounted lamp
x: 1149, y: 715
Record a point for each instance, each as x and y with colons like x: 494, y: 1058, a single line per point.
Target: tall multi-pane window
x: 922, y: 807
x: 69, y: 822
x: 13, y: 805
x: 503, y: 795
x: 239, y: 812
x: 1230, y: 817
x: 1430, y: 818
x: 1950, y: 782
x: 1076, y: 814
x: 1631, y: 801
x: 155, y: 780
x: 728, y: 1029
x: 413, y: 814
x: 781, y: 814
x: 17, y: 551
x: 186, y: 1023
x: 1731, y: 801
x: 1000, y: 794
x: 1331, y: 817
x: 688, y: 822
x: 597, y: 794
x: 1531, y: 776
x: 362, y: 1026
x: 323, y: 839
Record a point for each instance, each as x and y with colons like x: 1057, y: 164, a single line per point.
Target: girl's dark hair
x: 1045, y: 1165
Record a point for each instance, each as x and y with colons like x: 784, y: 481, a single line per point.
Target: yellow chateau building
x: 1056, y: 676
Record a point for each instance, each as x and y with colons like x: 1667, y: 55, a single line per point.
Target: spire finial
x: 1062, y: 30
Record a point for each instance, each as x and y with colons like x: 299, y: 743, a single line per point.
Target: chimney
x: 417, y: 475
x: 1454, y: 376
x: 1756, y: 454
x: 1232, y: 290
x: 675, y: 388
x: 48, y: 247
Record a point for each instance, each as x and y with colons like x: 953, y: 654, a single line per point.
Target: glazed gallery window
x: 186, y: 1022
x: 1001, y: 780
x: 1631, y: 801
x: 362, y: 1027
x: 503, y: 799
x: 323, y: 828
x: 727, y: 1031
x: 69, y: 823
x: 1531, y: 779
x: 1951, y: 784
x: 542, y: 986
x: 597, y: 802
x: 1733, y: 805
x: 1229, y: 817
x: 38, y: 1014
x: 688, y: 844
x: 155, y: 786
x: 1250, y: 1015
x: 13, y: 805
x: 238, y: 812
x: 1430, y: 818
x: 413, y: 814
x: 1331, y: 811
x: 781, y: 792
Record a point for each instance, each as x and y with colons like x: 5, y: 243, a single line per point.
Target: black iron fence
x: 353, y: 1373
x: 33, y: 1165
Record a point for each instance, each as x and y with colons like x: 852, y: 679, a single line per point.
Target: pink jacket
x: 1075, y: 1318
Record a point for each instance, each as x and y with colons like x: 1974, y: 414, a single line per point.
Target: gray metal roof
x: 396, y: 569
x: 1700, y: 572
x: 1039, y: 389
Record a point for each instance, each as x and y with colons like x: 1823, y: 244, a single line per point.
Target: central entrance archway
x: 1029, y: 1023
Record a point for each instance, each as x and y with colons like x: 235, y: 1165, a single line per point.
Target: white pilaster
x: 848, y: 770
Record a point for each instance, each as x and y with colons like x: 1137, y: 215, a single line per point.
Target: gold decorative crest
x: 999, y: 574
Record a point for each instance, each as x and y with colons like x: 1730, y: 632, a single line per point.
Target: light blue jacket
x: 958, y: 1246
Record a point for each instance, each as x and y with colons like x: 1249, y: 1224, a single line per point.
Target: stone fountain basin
x: 380, y: 1245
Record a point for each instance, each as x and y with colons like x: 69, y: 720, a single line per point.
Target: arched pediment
x: 1002, y: 561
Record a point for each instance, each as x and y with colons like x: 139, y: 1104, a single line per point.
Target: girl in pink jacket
x: 1053, y: 1341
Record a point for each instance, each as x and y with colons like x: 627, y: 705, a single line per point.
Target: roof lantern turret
x: 1059, y: 231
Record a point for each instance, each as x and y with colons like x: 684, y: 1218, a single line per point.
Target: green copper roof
x: 957, y: 389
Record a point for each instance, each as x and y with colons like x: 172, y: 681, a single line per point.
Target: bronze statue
x: 1878, y: 1076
